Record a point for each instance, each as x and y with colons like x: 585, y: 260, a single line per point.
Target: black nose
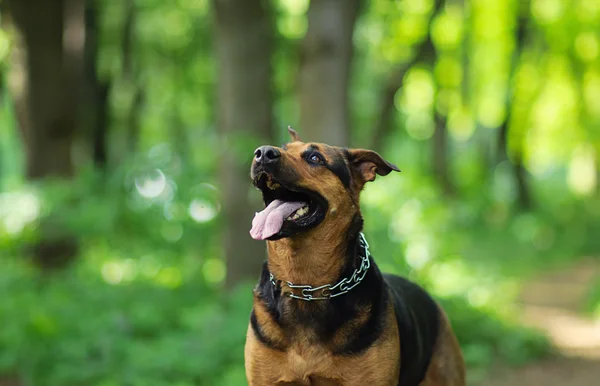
x: 267, y: 154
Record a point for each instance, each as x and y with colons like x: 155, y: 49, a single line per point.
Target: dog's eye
x: 315, y: 159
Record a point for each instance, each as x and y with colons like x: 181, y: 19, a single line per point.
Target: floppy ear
x: 368, y: 164
x: 295, y: 137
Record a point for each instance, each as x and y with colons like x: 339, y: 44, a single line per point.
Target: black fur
x: 417, y: 316
x: 261, y: 336
x: 339, y: 167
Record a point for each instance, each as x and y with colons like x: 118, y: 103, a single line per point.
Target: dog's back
x: 417, y: 316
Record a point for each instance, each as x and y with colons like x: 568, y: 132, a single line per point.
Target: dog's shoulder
x: 418, y: 319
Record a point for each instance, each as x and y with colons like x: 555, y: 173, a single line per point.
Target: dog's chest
x: 308, y: 364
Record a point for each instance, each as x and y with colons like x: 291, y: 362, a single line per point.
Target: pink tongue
x: 268, y: 222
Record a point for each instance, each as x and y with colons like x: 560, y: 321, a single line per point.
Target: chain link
x: 329, y: 291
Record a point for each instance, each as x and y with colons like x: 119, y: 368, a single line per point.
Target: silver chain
x: 329, y: 291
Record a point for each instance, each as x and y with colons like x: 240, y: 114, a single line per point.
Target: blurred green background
x: 127, y: 130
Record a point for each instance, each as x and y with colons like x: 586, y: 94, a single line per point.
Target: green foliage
x: 592, y: 305
x: 139, y: 309
x: 485, y: 336
x: 144, y: 304
x: 73, y: 328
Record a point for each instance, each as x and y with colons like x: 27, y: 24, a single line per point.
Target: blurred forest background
x: 126, y: 134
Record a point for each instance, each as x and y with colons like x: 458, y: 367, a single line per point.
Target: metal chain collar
x: 329, y: 291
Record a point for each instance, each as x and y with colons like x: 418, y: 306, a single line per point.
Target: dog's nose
x: 267, y: 154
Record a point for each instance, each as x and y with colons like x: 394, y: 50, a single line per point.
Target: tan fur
x: 268, y: 325
x: 305, y: 361
x: 447, y: 364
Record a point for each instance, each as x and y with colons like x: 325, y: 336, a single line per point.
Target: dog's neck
x: 314, y: 259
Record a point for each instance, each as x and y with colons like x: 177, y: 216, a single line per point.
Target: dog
x: 323, y: 314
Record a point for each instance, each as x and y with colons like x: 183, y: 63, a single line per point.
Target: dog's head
x: 310, y: 186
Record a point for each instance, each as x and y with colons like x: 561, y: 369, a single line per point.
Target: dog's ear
x: 295, y: 137
x: 368, y: 164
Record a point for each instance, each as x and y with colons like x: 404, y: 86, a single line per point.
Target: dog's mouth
x: 288, y: 209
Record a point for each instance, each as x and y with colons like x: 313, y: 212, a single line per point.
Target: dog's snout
x: 267, y: 154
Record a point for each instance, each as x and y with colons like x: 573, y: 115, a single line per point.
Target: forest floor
x: 553, y: 303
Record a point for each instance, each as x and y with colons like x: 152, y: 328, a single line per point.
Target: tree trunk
x: 520, y: 36
x: 50, y: 100
x: 97, y: 91
x: 133, y: 119
x: 100, y: 125
x: 441, y: 160
x: 519, y: 171
x: 244, y: 41
x: 130, y: 77
x: 50, y: 51
x: 385, y: 118
x: 440, y: 141
x: 325, y: 64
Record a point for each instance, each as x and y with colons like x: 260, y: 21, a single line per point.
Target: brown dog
x: 323, y: 312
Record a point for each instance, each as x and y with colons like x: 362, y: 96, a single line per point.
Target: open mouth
x: 288, y: 209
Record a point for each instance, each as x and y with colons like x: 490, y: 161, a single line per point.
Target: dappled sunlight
x: 461, y: 124
x: 114, y: 272
x: 480, y: 296
x: 420, y: 125
x: 419, y: 91
x: 206, y: 205
x: 4, y: 45
x: 293, y: 24
x: 214, y: 271
x: 452, y: 277
x: 418, y: 253
x: 151, y: 184
x: 169, y: 277
x: 591, y: 92
x: 448, y: 28
x: 406, y: 220
x: 587, y: 46
x: 548, y: 11
x: 202, y: 211
x: 418, y: 7
x: 126, y: 271
x: 482, y: 290
x: 583, y: 176
x: 18, y: 209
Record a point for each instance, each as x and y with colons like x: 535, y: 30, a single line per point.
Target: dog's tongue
x: 269, y: 221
